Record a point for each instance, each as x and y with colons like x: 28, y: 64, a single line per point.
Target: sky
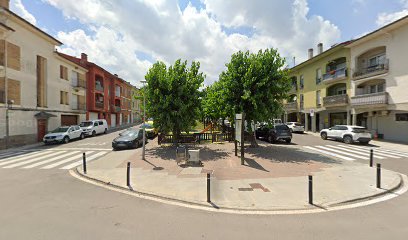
x: 127, y: 36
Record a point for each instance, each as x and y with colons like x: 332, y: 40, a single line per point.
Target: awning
x: 44, y: 115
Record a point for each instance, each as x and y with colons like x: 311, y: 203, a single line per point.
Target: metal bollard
x: 84, y: 162
x: 371, y: 157
x: 378, y: 175
x: 208, y: 187
x: 128, y: 175
x: 311, y: 189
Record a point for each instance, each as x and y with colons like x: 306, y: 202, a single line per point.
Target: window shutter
x: 2, y: 52
x: 13, y: 56
x: 14, y: 91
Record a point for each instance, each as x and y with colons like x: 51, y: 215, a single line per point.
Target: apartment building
x: 321, y: 88
x: 379, y: 82
x: 38, y: 90
x: 137, y: 102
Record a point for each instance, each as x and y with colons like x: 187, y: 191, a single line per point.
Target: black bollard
x: 378, y: 175
x: 128, y: 175
x: 84, y: 162
x: 371, y: 157
x: 310, y: 189
x: 208, y: 187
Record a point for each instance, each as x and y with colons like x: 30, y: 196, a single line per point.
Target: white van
x: 93, y: 127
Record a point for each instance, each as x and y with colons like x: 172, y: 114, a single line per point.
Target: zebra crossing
x: 63, y: 159
x: 354, y: 152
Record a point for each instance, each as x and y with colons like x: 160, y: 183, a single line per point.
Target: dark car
x: 132, y: 138
x: 274, y: 133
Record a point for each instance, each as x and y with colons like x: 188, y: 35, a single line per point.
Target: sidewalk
x: 274, y: 185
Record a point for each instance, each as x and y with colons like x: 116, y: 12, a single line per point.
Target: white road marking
x: 20, y: 158
x: 53, y: 159
x: 32, y: 160
x: 76, y: 158
x: 330, y: 153
x: 75, y: 164
x: 375, y: 151
x: 343, y: 153
x: 353, y: 151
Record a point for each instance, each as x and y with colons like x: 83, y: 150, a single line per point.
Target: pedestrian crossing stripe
x: 352, y: 152
x: 49, y: 159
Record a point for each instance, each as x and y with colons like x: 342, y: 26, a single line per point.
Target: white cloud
x: 162, y: 30
x: 18, y: 7
x: 386, y: 18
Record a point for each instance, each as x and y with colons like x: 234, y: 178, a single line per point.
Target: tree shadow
x: 254, y: 164
x: 206, y: 153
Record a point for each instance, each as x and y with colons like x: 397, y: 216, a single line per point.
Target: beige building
x: 39, y: 90
x: 379, y: 81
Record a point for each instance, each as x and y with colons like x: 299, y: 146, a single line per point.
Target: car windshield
x: 146, y: 126
x: 85, y: 124
x: 60, y: 130
x: 130, y: 133
x: 281, y: 127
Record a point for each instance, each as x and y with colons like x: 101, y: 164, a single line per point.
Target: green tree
x: 173, y: 96
x: 256, y: 84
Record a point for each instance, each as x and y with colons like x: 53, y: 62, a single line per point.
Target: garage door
x: 93, y: 116
x: 113, y: 120
x: 67, y: 120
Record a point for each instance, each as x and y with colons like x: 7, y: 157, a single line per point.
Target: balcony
x: 79, y: 106
x: 335, y: 101
x: 99, y: 105
x: 80, y: 84
x: 116, y: 109
x: 335, y: 75
x: 291, y: 107
x: 380, y: 98
x: 364, y: 72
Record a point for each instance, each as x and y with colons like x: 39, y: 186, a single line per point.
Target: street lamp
x: 144, y: 121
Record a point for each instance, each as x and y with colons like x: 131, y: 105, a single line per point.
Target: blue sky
x: 128, y: 36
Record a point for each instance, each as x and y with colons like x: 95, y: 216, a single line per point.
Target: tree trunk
x: 252, y: 139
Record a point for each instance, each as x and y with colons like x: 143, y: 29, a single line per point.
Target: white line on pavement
x: 75, y: 164
x: 32, y: 160
x: 330, y: 153
x: 343, y: 153
x: 20, y: 158
x: 353, y: 151
x: 66, y: 160
x: 52, y: 159
x: 376, y: 152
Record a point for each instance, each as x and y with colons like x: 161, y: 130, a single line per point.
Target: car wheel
x: 323, y: 136
x: 288, y: 140
x: 136, y: 144
x: 93, y: 133
x: 82, y: 136
x: 66, y: 140
x: 291, y: 130
x: 271, y: 139
x: 106, y: 131
x: 347, y: 140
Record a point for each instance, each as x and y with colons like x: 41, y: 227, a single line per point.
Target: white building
x: 45, y: 90
x: 379, y: 98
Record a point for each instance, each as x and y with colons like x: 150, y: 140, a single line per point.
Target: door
x: 68, y: 120
x: 333, y: 132
x: 101, y: 127
x: 113, y: 120
x: 41, y: 129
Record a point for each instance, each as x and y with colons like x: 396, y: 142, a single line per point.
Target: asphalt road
x: 51, y: 204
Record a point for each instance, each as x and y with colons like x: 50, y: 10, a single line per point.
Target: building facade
x: 39, y: 91
x: 379, y: 82
x: 137, y: 102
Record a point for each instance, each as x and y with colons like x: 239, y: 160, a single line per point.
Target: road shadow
x: 206, y: 153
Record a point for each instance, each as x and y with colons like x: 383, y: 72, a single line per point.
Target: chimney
x: 310, y: 53
x: 84, y: 57
x: 5, y: 4
x: 319, y: 48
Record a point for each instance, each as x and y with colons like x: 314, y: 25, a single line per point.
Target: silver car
x: 64, y: 134
x: 296, y: 127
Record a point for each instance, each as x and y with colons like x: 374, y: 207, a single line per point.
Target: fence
x: 197, y: 138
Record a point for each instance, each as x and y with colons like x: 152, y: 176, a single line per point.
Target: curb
x: 399, y: 189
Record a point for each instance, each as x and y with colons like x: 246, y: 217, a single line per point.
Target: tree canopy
x: 254, y: 83
x: 173, y: 98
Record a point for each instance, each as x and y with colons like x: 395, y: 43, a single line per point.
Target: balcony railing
x: 115, y: 108
x: 99, y: 87
x: 99, y: 104
x: 80, y: 84
x: 79, y: 106
x: 337, y: 100
x: 369, y: 71
x: 335, y: 75
x: 302, y: 104
x: 370, y: 99
x: 293, y: 106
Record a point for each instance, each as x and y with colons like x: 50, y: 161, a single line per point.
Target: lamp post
x: 144, y: 121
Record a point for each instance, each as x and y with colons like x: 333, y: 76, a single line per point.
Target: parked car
x: 150, y: 131
x: 348, y: 134
x: 94, y: 127
x: 275, y: 133
x: 296, y: 127
x: 64, y: 134
x: 131, y: 138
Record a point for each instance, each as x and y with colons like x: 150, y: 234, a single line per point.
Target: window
x: 13, y: 55
x: 41, y: 82
x: 401, y: 117
x: 74, y: 78
x: 318, y: 99
x: 64, y: 98
x: 301, y: 82
x: 377, y: 60
x: 63, y: 72
x: 318, y: 75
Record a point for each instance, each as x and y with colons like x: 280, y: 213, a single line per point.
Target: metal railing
x: 335, y: 100
x: 99, y: 104
x: 370, y: 99
x: 372, y: 70
x: 116, y: 108
x: 79, y: 106
x: 81, y: 84
x: 98, y: 87
x: 335, y: 74
x: 292, y: 106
